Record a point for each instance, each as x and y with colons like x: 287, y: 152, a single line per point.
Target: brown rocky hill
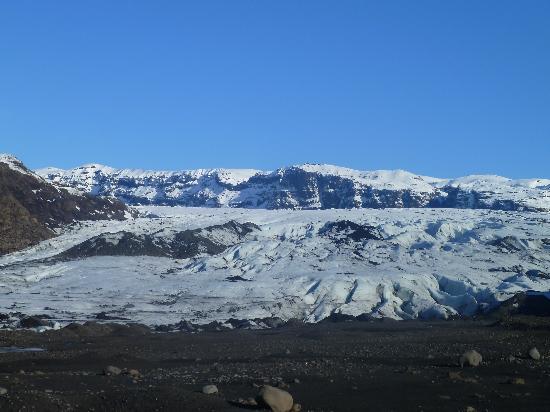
x: 31, y: 208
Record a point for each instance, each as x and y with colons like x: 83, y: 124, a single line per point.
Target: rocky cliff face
x: 304, y: 187
x: 31, y: 208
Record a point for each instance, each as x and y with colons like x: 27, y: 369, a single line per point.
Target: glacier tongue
x: 398, y: 263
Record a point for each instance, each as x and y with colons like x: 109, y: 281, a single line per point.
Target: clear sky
x: 443, y: 88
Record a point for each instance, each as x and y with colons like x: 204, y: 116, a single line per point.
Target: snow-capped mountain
x: 308, y: 186
x: 235, y: 258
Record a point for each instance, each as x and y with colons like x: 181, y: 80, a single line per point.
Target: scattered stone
x: 134, y: 373
x: 471, y: 409
x: 511, y: 358
x: 283, y: 385
x: 277, y: 399
x: 296, y: 380
x: 209, y: 389
x: 517, y: 381
x: 470, y: 358
x: 455, y: 376
x: 247, y: 402
x: 296, y: 407
x: 3, y: 391
x: 534, y: 354
x: 112, y: 370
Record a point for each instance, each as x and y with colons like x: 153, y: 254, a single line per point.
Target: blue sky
x: 443, y: 88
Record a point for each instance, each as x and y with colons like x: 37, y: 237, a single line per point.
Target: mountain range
x: 308, y: 186
x: 387, y: 244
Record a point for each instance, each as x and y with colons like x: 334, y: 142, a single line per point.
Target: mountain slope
x: 31, y: 208
x: 304, y: 187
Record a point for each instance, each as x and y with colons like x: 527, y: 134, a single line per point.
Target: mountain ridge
x: 305, y: 186
x: 31, y: 209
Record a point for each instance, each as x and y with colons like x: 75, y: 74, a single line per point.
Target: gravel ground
x: 347, y: 366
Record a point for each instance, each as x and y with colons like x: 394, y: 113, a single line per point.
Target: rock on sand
x: 277, y: 399
x: 470, y: 358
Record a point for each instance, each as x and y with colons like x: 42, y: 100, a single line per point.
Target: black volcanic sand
x: 348, y: 366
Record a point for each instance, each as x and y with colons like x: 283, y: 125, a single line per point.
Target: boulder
x: 470, y: 358
x: 112, y: 370
x: 209, y: 389
x: 534, y: 354
x: 134, y: 373
x: 277, y: 399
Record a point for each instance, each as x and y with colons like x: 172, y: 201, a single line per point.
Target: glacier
x: 400, y: 263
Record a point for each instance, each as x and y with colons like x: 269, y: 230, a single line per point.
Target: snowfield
x: 297, y: 264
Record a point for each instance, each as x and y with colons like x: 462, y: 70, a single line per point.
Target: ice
x: 422, y: 263
x: 430, y: 263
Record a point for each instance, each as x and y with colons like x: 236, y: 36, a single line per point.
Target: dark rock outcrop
x: 508, y: 244
x: 524, y: 303
x: 345, y: 231
x: 180, y: 245
x: 31, y: 208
